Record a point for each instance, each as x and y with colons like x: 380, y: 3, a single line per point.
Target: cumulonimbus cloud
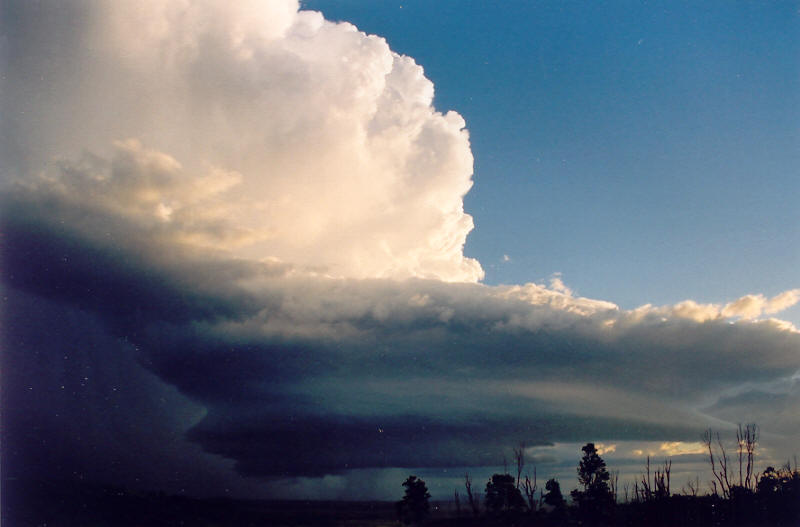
x: 265, y: 209
x: 304, y: 374
x: 325, y: 142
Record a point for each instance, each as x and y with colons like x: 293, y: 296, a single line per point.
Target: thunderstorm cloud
x: 233, y: 244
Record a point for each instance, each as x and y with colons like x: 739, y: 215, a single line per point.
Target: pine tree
x: 413, y: 509
x: 595, y: 501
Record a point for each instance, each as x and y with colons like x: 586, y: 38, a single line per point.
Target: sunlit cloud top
x: 253, y: 128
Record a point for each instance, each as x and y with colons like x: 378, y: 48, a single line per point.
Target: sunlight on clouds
x: 670, y: 449
x: 694, y: 311
x: 753, y: 306
x: 746, y: 308
x: 556, y: 284
x: 154, y: 191
x: 782, y: 301
x: 782, y: 325
x: 325, y: 143
x: 557, y: 296
x: 679, y: 448
x: 603, y: 449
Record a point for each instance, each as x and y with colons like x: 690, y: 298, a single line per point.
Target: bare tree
x: 740, y: 451
x: 746, y: 440
x: 751, y: 441
x: 721, y: 458
x: 723, y: 464
x: 659, y: 485
x: 692, y: 487
x: 647, y: 489
x: 613, y: 484
x: 529, y: 487
x: 457, y: 501
x: 661, y: 480
x: 473, y: 501
x: 519, y: 458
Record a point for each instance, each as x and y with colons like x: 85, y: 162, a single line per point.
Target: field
x: 54, y: 505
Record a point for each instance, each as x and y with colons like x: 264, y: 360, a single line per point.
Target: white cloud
x: 603, y: 449
x: 695, y: 311
x: 681, y: 448
x: 340, y: 160
x: 556, y: 284
x: 782, y: 301
x: 748, y: 307
x: 154, y: 191
x: 753, y: 306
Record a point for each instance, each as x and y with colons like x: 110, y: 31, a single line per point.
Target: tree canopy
x: 502, y: 495
x: 595, y: 500
x: 414, y: 507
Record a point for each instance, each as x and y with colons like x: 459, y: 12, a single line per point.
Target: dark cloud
x: 78, y: 406
x: 775, y: 404
x: 302, y: 444
x: 288, y: 374
x: 106, y: 271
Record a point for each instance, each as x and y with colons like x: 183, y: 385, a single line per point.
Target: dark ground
x: 49, y: 504
x: 74, y: 504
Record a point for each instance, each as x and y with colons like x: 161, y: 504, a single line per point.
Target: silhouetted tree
x: 457, y: 503
x: 473, y: 500
x: 719, y: 463
x: 746, y: 441
x: 778, y: 495
x: 413, y: 509
x: 555, y: 502
x: 528, y: 486
x: 592, y: 472
x: 595, y: 501
x: 519, y: 458
x: 659, y: 486
x: 769, y: 482
x: 553, y: 496
x: 740, y: 494
x: 502, y: 495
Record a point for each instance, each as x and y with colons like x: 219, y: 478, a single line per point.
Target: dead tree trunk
x: 473, y: 501
x: 722, y: 483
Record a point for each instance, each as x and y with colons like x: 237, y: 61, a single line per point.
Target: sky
x: 287, y: 250
x: 645, y: 150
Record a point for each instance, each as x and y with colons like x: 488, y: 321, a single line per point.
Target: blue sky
x: 649, y: 151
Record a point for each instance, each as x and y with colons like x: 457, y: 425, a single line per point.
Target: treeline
x: 737, y: 494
